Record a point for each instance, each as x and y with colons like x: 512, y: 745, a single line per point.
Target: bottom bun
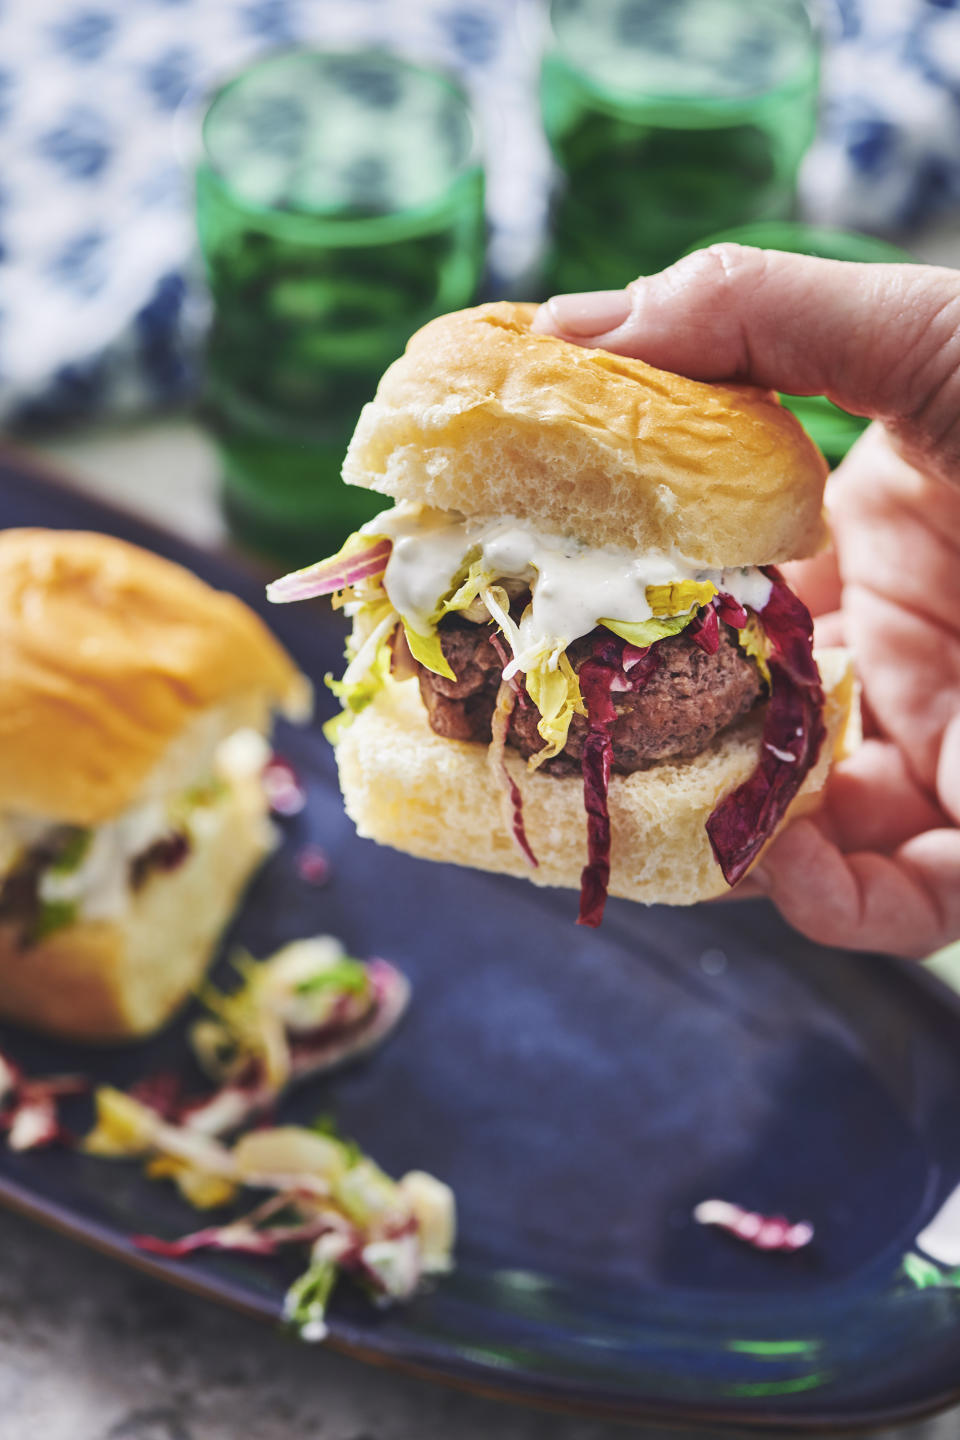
x: 438, y: 799
x: 120, y: 979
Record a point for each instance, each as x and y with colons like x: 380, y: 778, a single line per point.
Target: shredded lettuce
x: 468, y: 583
x: 52, y: 915
x: 123, y: 1126
x: 674, y: 606
x: 305, y: 1303
x: 679, y: 597
x: 346, y: 977
x: 72, y: 851
x: 647, y: 632
x: 752, y: 639
x: 327, y: 1195
x: 356, y: 695
x: 295, y: 1013
x: 204, y: 1190
x: 428, y: 650
x: 556, y: 694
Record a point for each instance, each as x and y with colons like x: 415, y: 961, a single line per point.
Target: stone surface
x: 92, y: 1351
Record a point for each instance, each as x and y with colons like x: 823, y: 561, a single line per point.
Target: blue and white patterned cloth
x: 887, y: 156
x: 100, y: 300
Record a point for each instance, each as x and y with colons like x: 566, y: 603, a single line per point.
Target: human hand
x: 878, y: 867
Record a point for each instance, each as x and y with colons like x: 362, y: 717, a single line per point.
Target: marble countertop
x: 90, y: 1351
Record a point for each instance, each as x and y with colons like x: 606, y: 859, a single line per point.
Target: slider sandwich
x: 572, y: 655
x: 134, y: 702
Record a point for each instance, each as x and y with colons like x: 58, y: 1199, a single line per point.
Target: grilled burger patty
x: 689, y: 698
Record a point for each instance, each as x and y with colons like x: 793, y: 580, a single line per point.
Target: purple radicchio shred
x: 249, y: 1096
x: 597, y: 675
x: 284, y: 790
x: 793, y: 734
x: 313, y: 865
x: 516, y: 812
x: 28, y: 1107
x: 613, y: 667
x: 704, y: 630
x: 762, y: 1232
x: 513, y: 789
x: 164, y: 855
x: 730, y: 611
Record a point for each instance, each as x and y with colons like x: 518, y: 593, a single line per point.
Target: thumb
x: 880, y: 340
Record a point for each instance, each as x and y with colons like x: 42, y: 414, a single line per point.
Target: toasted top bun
x: 114, y: 663
x: 483, y: 416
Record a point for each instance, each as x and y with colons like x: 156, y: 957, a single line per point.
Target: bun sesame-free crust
x: 110, y: 657
x: 438, y: 798
x: 484, y: 416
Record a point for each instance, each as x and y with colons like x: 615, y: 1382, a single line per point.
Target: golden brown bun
x: 112, y: 659
x: 483, y: 416
x: 115, y: 980
x: 436, y: 798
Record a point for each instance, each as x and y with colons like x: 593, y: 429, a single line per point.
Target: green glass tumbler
x: 833, y: 429
x: 667, y: 120
x: 339, y: 208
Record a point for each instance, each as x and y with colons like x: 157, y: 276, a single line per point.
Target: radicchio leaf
x: 284, y: 791
x: 730, y: 611
x: 793, y: 733
x: 705, y: 630
x: 313, y: 865
x: 597, y: 675
x: 29, y: 1106
x: 763, y: 1232
x: 500, y: 724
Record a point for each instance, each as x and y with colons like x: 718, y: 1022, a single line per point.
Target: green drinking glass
x: 833, y: 429
x: 668, y: 120
x: 339, y: 207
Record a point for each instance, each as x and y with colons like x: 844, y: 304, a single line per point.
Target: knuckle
x: 736, y: 266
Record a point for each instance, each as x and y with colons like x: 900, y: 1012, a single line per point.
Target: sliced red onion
x: 763, y: 1232
x: 328, y: 576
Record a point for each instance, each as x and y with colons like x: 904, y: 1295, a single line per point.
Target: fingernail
x: 594, y: 313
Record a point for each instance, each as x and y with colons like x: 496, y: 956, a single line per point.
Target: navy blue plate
x: 582, y: 1092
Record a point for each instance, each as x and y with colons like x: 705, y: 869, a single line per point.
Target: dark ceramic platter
x: 582, y: 1091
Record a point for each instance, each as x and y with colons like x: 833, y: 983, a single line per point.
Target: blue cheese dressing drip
x: 572, y: 586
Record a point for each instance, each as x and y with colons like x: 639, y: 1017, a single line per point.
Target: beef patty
x: 689, y: 698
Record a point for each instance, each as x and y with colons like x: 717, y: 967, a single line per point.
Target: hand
x: 878, y: 867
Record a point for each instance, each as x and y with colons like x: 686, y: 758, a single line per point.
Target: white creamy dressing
x: 100, y: 884
x: 573, y: 586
